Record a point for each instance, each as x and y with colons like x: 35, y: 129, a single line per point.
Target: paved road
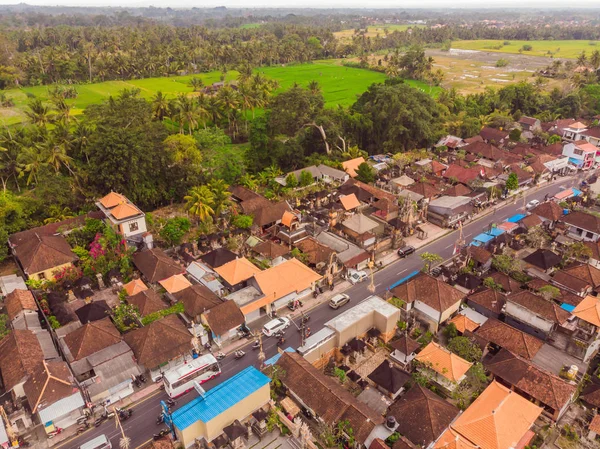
x: 142, y: 425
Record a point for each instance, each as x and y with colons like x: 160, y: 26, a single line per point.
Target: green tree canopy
x: 365, y: 173
x: 512, y: 183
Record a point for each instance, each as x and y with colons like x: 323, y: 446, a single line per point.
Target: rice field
x: 570, y: 49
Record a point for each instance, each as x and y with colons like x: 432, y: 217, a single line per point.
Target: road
x: 142, y: 425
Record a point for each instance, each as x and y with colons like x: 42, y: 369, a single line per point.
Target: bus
x: 181, y: 379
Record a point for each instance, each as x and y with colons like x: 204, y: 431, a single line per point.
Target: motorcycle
x: 142, y: 378
x: 305, y: 319
x: 55, y: 432
x: 256, y: 345
x: 103, y: 418
x: 136, y: 381
x: 171, y: 402
x: 220, y: 355
x: 162, y: 433
x: 278, y: 334
x: 124, y: 414
x: 160, y: 419
x: 280, y: 341
x: 82, y: 428
x: 239, y: 354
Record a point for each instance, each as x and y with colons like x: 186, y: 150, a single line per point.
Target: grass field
x: 559, y: 49
x: 340, y: 85
x: 250, y: 25
x: 374, y: 30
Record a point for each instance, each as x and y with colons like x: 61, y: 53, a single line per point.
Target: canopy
x: 508, y: 227
x: 495, y: 232
x: 483, y: 238
x: 516, y: 218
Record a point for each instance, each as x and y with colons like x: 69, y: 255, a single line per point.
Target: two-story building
x: 581, y: 154
x: 533, y: 314
x: 123, y: 216
x: 582, y: 226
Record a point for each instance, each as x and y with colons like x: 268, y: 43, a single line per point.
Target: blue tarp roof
x: 575, y: 191
x: 404, y: 279
x: 516, y: 218
x: 221, y: 398
x: 273, y: 360
x: 483, y: 238
x: 495, y: 232
x: 567, y: 307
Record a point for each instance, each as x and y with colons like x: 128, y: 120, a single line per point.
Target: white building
x: 123, y: 216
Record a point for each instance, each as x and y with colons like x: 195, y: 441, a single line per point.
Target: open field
x: 340, y: 85
x: 374, y: 30
x: 558, y: 49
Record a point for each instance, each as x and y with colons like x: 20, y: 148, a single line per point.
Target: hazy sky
x: 311, y: 3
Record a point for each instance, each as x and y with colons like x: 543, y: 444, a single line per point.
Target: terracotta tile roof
x: 218, y: 257
x: 147, y: 302
x: 538, y: 305
x: 372, y: 191
x: 462, y: 174
x: 528, y: 120
x: 479, y: 254
x: 497, y: 419
x: 360, y: 224
x: 582, y: 220
x: 593, y: 132
x: 125, y: 210
x: 175, y: 283
x: 490, y: 299
x: 112, y: 199
x: 242, y: 193
x: 20, y: 353
x: 49, y: 383
x: 458, y: 190
x: 422, y: 415
x: 493, y: 134
x: 492, y: 153
x: 531, y: 220
x: 288, y: 218
x: 556, y: 149
x: 522, y: 175
x: 196, y: 299
x: 351, y: 165
x: 18, y: 301
x: 134, y: 287
x: 588, y: 310
x: 547, y: 388
x: 464, y: 323
x: 285, y: 278
x: 429, y: 290
x: 438, y: 167
x: 314, y: 250
x: 591, y: 393
x: 565, y: 296
x: 270, y: 213
x: 405, y: 345
x: 403, y: 443
x: 44, y: 252
x: 474, y: 139
x: 549, y: 210
x: 508, y: 284
x: 350, y: 201
x: 452, y: 440
x: 389, y: 377
x: 594, y: 248
x: 538, y: 167
x: 251, y: 205
x: 586, y: 273
x: 584, y: 145
x: 270, y: 249
x: 155, y: 265
x: 160, y: 341
x: 508, y: 337
x: 378, y: 443
x: 238, y: 270
x: 443, y: 362
x: 595, y: 424
x: 425, y: 189
x: 330, y: 401
x: 91, y: 338
x: 224, y: 317
x: 571, y: 282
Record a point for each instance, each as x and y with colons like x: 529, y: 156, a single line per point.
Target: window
x: 41, y: 276
x: 578, y: 152
x: 134, y: 226
x: 589, y: 235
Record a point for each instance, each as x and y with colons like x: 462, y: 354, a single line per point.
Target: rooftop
x: 443, y: 362
x: 508, y: 337
x: 238, y: 270
x: 354, y: 314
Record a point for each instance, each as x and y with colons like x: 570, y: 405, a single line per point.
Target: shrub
x: 242, y: 221
x: 176, y: 308
x: 450, y: 331
x: 526, y: 47
x: 54, y: 324
x: 291, y: 181
x: 174, y: 230
x: 340, y: 374
x: 501, y: 62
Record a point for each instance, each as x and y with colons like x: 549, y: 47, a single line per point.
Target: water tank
x: 390, y: 422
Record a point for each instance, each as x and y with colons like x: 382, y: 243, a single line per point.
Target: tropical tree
x: 249, y: 181
x: 200, y: 203
x: 160, y: 106
x: 537, y: 237
x: 221, y: 196
x: 196, y: 83
x: 186, y: 113
x: 38, y: 113
x: 57, y: 214
x: 512, y: 182
x: 430, y: 259
x: 365, y: 173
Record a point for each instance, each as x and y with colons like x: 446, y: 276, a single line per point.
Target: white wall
x: 528, y: 317
x: 429, y: 311
x: 141, y: 222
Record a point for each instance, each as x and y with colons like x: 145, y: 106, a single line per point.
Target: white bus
x: 181, y: 379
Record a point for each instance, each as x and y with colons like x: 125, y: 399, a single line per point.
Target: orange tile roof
x: 238, y: 270
x: 124, y: 210
x: 349, y: 201
x: 452, y: 440
x: 577, y: 125
x: 135, y: 286
x: 175, y: 283
x: 584, y: 145
x: 351, y: 165
x: 112, y: 199
x: 498, y: 419
x: 288, y: 218
x: 464, y: 323
x: 443, y: 362
x: 595, y: 424
x: 588, y: 310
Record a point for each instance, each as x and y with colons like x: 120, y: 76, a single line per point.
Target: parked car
x: 339, y: 300
x: 406, y: 251
x: 532, y: 204
x: 276, y: 325
x: 356, y: 276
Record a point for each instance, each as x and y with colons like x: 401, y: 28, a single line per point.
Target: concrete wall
x: 527, y: 317
x: 323, y: 351
x: 141, y: 223
x: 446, y: 314
x: 212, y: 429
x: 430, y: 312
x: 49, y: 274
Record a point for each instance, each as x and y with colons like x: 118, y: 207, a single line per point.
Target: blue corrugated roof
x: 273, y: 360
x: 575, y: 191
x: 484, y: 238
x: 567, y: 307
x: 495, y: 232
x: 220, y: 398
x: 404, y: 279
x: 516, y: 218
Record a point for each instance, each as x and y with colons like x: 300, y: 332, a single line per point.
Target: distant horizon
x: 308, y: 4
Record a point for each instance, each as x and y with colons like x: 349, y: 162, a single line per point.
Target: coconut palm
x: 200, y: 203
x: 249, y: 181
x: 160, y: 106
x: 38, y: 113
x: 196, y: 83
x: 32, y: 161
x: 186, y: 111
x: 222, y: 196
x: 57, y: 214
x: 314, y: 87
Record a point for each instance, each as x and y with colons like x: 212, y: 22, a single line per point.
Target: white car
x: 532, y: 204
x: 356, y: 276
x: 276, y: 325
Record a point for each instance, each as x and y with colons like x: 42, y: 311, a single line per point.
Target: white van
x: 100, y: 442
x: 273, y: 326
x: 339, y: 300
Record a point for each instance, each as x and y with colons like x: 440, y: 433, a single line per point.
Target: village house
x: 20, y: 354
x: 549, y: 212
x: 488, y: 302
x: 432, y: 299
x: 581, y: 154
x: 348, y: 253
x: 542, y: 260
x: 501, y: 335
x: 592, y: 135
x: 146, y: 302
x: 582, y: 226
x: 101, y: 360
x: 362, y: 229
x: 447, y: 211
x: 322, y: 173
x: 155, y: 265
x: 389, y: 379
x: 203, y: 274
x: 123, y: 216
x: 404, y: 349
x: 571, y: 283
x: 494, y: 136
x: 236, y: 273
x: 351, y: 165
x: 442, y: 367
x: 530, y: 124
x: 573, y: 131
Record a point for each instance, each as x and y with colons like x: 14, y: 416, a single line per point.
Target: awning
x: 495, y: 232
x: 483, y: 238
x: 508, y: 227
x: 289, y: 406
x: 273, y: 360
x: 516, y: 218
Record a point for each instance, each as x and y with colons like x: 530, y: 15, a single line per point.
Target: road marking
x: 144, y: 443
x: 403, y: 271
x: 377, y: 285
x: 449, y: 246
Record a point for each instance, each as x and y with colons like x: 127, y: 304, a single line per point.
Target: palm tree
x: 62, y: 110
x: 81, y: 140
x: 55, y: 155
x: 249, y: 181
x: 32, y: 161
x: 196, y: 83
x: 200, y: 203
x: 58, y: 214
x: 222, y: 196
x: 228, y: 100
x: 160, y: 106
x: 314, y: 87
x: 38, y: 113
x: 186, y: 112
